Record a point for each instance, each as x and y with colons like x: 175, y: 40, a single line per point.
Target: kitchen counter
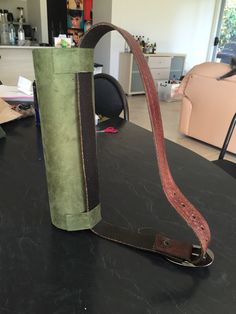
x: 16, y: 61
x: 21, y: 47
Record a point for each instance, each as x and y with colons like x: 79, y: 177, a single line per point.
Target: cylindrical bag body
x: 68, y: 131
x: 72, y: 184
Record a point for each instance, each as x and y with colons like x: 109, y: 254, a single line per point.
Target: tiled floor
x: 170, y: 116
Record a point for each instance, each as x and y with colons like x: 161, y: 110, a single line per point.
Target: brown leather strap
x: 185, y: 209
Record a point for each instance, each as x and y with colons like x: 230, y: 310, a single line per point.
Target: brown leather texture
x: 85, y: 99
x: 174, y: 195
x: 173, y: 247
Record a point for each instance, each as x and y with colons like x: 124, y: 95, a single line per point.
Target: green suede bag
x: 65, y: 86
x: 72, y: 185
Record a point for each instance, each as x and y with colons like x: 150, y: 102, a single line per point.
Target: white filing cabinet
x: 163, y: 66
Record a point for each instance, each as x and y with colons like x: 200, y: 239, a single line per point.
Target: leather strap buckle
x: 197, y: 259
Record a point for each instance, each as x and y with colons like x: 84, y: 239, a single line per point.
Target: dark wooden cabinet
x: 57, y: 18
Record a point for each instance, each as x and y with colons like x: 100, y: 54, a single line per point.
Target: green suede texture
x: 2, y: 133
x: 55, y: 70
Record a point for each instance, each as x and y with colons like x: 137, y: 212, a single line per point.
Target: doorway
x: 225, y: 39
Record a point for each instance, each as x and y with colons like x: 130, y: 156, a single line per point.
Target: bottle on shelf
x: 148, y: 45
x: 21, y: 33
x: 154, y: 48
x: 4, y: 28
x: 0, y: 24
x: 12, y: 31
x: 21, y: 14
x: 143, y: 44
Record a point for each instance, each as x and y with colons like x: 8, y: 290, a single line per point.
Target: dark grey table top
x: 46, y: 270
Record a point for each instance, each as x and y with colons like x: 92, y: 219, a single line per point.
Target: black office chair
x: 226, y: 165
x: 110, y: 99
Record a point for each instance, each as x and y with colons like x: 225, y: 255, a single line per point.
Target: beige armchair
x: 208, y: 105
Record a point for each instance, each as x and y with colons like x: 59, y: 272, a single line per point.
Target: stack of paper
x: 7, y: 113
x: 22, y: 92
x: 24, y: 85
x: 13, y: 93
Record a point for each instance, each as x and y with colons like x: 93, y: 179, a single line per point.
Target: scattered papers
x: 13, y: 93
x: 22, y: 92
x: 24, y: 85
x: 7, y: 113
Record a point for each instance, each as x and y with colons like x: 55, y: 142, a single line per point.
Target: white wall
x: 102, y: 12
x: 37, y: 13
x: 176, y: 26
x: 34, y: 16
x: 44, y: 21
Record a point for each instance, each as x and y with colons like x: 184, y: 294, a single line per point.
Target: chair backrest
x: 110, y: 99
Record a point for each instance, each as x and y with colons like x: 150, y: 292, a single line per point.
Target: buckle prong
x: 197, y: 259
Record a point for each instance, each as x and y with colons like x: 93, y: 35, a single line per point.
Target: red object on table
x: 109, y: 129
